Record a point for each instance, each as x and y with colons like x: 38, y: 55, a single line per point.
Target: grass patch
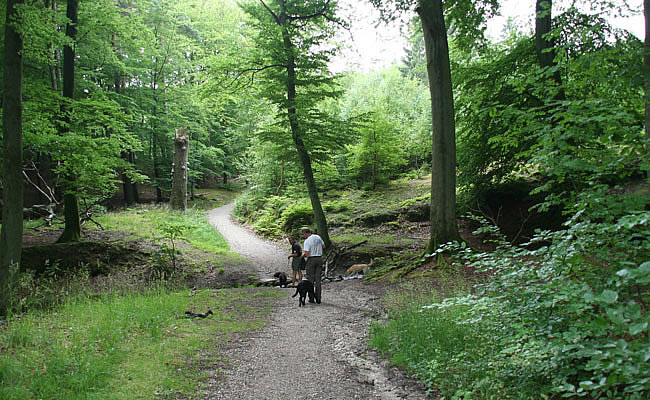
x: 122, y: 347
x: 428, y: 342
x: 148, y: 222
x: 206, y: 199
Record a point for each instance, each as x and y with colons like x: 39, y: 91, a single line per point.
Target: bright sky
x: 372, y: 45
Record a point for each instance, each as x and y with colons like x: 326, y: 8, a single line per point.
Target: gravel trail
x: 313, y: 352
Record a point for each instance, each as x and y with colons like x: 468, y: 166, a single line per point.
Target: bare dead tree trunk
x: 178, y: 199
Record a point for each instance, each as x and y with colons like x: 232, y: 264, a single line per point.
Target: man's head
x: 292, y: 239
x: 305, y: 232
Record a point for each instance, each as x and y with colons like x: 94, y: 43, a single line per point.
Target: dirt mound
x: 98, y: 257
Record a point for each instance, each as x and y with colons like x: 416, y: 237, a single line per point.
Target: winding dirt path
x: 313, y: 352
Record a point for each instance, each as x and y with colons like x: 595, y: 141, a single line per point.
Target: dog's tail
x: 295, y: 294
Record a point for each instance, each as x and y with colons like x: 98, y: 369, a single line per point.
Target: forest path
x: 313, y: 352
x: 265, y: 257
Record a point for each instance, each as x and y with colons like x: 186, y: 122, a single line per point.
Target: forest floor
x: 314, y: 352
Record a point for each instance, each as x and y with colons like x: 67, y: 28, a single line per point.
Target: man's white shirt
x: 314, y: 245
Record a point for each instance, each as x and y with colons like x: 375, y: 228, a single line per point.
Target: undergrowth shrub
x: 337, y: 206
x: 247, y: 204
x: 297, y: 215
x: 274, y: 216
x: 568, y: 319
x: 268, y: 220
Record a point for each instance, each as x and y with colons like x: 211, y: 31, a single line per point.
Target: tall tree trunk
x: 72, y: 229
x: 544, y: 46
x: 156, y: 167
x: 646, y: 75
x: 11, y: 235
x: 178, y: 196
x: 54, y: 62
x: 443, y: 165
x: 129, y: 187
x: 296, y: 133
x: 374, y: 160
x: 154, y: 141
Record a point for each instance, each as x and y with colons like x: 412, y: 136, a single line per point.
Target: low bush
x: 297, y: 215
x: 567, y: 320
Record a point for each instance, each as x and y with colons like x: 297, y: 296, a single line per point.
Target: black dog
x: 305, y: 288
x: 190, y: 314
x: 282, y: 278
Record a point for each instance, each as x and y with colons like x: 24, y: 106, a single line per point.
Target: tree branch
x: 274, y: 15
x: 253, y: 71
x: 320, y: 13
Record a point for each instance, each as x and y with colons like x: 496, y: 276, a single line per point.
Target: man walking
x: 313, y: 252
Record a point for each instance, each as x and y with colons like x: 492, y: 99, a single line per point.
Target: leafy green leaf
x: 608, y: 296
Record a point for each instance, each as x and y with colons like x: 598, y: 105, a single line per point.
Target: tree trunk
x: 545, y: 47
x: 129, y: 187
x: 277, y: 191
x: 374, y: 160
x: 154, y: 142
x: 296, y: 133
x: 72, y: 228
x: 178, y: 197
x: 156, y: 167
x: 11, y: 235
x: 646, y: 75
x: 443, y: 165
x: 51, y: 52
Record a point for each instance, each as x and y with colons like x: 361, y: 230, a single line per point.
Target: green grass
x: 147, y: 222
x: 206, y: 199
x: 122, y: 347
x: 428, y: 342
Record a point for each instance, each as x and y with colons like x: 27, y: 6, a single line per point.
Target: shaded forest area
x: 539, y: 137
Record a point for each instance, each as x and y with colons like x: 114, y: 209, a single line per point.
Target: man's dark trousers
x: 314, y: 270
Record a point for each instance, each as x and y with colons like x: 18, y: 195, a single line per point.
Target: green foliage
x: 247, y: 204
x: 280, y: 36
x: 392, y: 116
x: 138, y: 69
x: 563, y: 316
x: 274, y: 216
x: 337, y: 206
x: 378, y: 155
x: 297, y: 215
x: 172, y: 231
x: 510, y: 122
x: 268, y: 220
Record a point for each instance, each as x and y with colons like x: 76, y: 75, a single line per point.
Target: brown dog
x: 356, y: 268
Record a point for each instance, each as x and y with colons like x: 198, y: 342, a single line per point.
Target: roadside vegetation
x: 120, y: 331
x: 124, y: 345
